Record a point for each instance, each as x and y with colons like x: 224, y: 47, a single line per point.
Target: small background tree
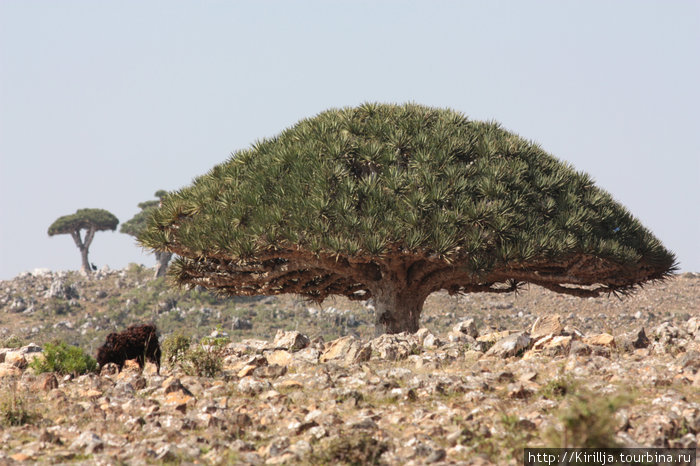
x: 137, y: 225
x: 90, y: 220
x: 395, y: 202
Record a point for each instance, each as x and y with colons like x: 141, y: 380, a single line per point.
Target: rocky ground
x: 487, y: 376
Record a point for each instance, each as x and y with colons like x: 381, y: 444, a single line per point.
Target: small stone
x: 579, y: 348
x: 90, y: 394
x: 49, y: 437
x: 467, y: 327
x: 239, y: 323
x: 291, y: 384
x: 173, y: 384
x: 178, y: 400
x: 510, y: 345
x: 347, y: 349
x: 493, y: 336
x: 109, y: 369
x: 271, y: 371
x: 280, y: 357
x: 250, y: 386
x: 436, y: 456
x: 559, y: 345
x: 518, y: 391
x: 246, y: 371
x: 89, y: 441
x: 472, y: 356
x: 9, y: 370
x: 690, y: 359
x: 547, y: 325
x: 30, y: 349
x: 431, y: 341
x: 318, y: 432
x: 603, y: 339
x: 291, y: 341
x: 362, y: 424
x: 16, y: 358
x: 310, y: 355
x: 633, y: 340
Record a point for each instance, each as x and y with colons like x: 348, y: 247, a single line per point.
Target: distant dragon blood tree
x: 90, y: 220
x: 395, y: 202
x: 137, y: 224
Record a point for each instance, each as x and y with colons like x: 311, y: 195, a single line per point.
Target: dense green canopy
x: 84, y: 219
x: 355, y: 197
x: 137, y: 224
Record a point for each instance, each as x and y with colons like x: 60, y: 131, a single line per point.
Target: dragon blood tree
x: 137, y: 224
x: 90, y: 220
x: 395, y: 202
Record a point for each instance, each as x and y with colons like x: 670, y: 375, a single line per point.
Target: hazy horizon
x: 104, y: 103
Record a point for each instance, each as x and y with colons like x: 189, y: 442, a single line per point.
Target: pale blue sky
x: 103, y: 103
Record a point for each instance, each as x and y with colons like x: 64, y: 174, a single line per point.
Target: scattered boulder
x: 17, y: 305
x: 280, y: 357
x: 579, y: 348
x: 511, y: 345
x: 271, y: 371
x: 603, y: 339
x: 467, y: 327
x: 89, y: 442
x: 16, y: 358
x: 394, y: 347
x: 59, y: 289
x: 9, y: 370
x: 547, y: 325
x: 46, y: 382
x: 493, y: 337
x: 635, y: 339
x: 346, y: 349
x: 291, y: 341
x: 239, y: 323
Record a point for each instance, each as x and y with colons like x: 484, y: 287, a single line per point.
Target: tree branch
x: 75, y: 234
x: 89, y: 236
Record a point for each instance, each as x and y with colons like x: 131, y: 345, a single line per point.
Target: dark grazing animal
x: 138, y: 342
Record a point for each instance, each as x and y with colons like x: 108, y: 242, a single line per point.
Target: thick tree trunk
x: 86, y: 267
x: 84, y: 247
x: 397, y: 309
x: 162, y: 259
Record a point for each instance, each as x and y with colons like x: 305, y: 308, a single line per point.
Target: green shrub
x: 587, y: 420
x: 558, y: 387
x: 355, y: 449
x: 204, y: 359
x: 12, y: 342
x: 175, y: 348
x: 64, y: 359
x: 13, y: 408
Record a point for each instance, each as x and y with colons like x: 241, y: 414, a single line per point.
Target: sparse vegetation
x: 64, y: 359
x: 469, y: 410
x: 355, y: 449
x: 14, y: 408
x: 586, y: 419
x: 557, y: 387
x: 175, y: 348
x: 12, y: 341
x: 203, y: 359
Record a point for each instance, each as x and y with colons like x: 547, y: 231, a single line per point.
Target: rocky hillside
x: 304, y: 384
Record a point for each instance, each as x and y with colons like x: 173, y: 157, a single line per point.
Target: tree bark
x: 162, y: 259
x: 84, y: 247
x: 397, y: 309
